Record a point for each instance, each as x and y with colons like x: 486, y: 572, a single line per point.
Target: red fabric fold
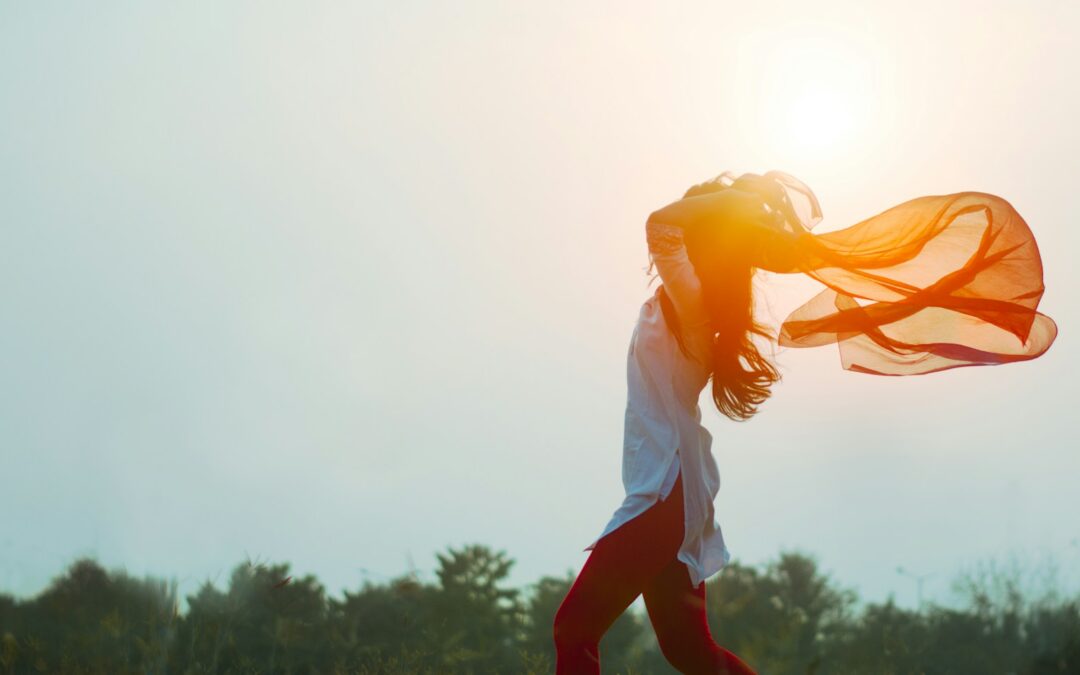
x: 934, y: 283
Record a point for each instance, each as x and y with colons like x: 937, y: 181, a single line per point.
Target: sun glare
x: 818, y: 119
x: 810, y: 94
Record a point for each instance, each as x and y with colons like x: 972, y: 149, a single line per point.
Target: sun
x: 819, y: 118
x: 809, y: 94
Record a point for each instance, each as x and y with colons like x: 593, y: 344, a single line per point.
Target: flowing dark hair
x: 742, y: 377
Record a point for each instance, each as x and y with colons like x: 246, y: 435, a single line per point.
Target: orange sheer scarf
x: 934, y: 283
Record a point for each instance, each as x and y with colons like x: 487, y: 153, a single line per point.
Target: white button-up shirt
x: 663, y: 431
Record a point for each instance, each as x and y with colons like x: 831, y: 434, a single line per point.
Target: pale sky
x: 345, y: 284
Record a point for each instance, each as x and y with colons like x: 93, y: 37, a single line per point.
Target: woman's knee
x: 564, y: 632
x: 569, y: 629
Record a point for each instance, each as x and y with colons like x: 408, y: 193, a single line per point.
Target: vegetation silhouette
x: 786, y: 617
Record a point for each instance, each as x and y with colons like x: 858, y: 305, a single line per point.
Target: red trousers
x: 638, y: 558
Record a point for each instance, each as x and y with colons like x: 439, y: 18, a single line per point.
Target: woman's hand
x: 777, y: 249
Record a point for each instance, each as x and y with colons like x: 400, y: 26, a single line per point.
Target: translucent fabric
x: 934, y: 283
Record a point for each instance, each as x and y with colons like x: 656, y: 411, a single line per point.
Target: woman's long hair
x: 742, y: 377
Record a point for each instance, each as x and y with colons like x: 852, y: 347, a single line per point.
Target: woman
x: 664, y: 541
x: 935, y: 283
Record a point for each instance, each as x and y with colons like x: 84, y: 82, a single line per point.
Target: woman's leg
x: 617, y: 570
x: 677, y: 612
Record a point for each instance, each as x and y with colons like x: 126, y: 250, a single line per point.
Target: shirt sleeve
x: 668, y: 252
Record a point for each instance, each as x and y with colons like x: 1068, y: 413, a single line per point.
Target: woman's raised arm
x: 741, y: 218
x: 724, y: 208
x: 667, y: 251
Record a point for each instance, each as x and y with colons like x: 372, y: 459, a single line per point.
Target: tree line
x: 783, y: 617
